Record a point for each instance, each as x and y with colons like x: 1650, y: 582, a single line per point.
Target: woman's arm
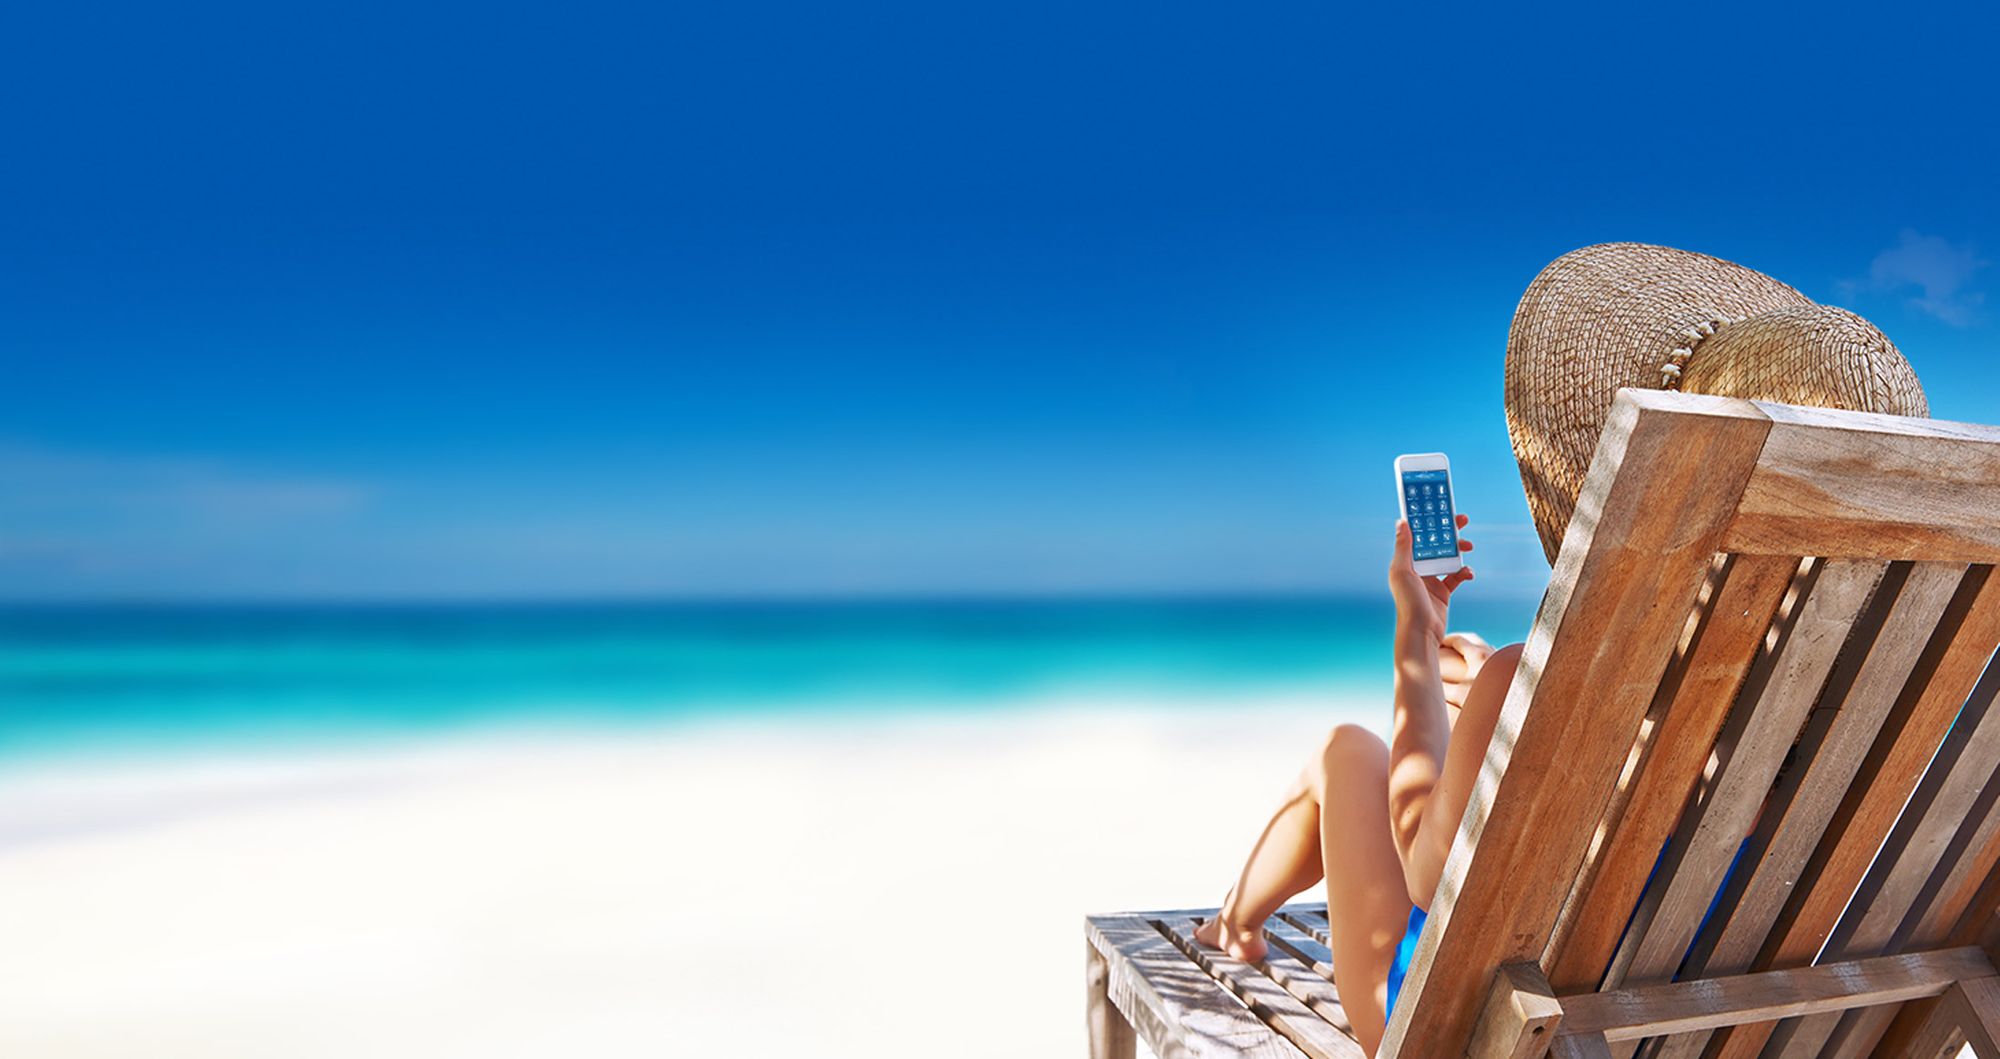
x: 1419, y: 738
x: 1421, y: 732
x: 1444, y: 801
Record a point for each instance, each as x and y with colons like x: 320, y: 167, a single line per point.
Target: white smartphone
x: 1423, y: 488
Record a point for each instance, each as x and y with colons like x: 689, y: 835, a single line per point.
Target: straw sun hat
x: 1627, y: 314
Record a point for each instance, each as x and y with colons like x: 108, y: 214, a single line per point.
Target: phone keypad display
x: 1433, y: 524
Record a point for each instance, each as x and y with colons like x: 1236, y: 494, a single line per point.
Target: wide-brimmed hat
x: 1628, y: 314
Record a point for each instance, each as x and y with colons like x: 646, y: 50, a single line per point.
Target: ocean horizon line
x: 723, y: 601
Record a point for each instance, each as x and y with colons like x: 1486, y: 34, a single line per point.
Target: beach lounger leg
x: 1111, y: 1034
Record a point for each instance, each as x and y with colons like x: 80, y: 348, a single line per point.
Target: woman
x: 1376, y: 821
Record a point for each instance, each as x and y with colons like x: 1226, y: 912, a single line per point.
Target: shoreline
x: 35, y: 785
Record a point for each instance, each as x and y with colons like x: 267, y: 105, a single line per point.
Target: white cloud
x: 65, y: 513
x: 1930, y: 273
x: 35, y: 479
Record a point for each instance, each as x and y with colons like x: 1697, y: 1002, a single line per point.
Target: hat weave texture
x: 1629, y: 314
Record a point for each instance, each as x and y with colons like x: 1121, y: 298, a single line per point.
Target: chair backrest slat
x: 1682, y: 726
x: 1978, y: 906
x: 1844, y: 726
x: 1941, y: 806
x: 1877, y: 660
x: 1938, y: 684
x: 1753, y: 746
x: 1938, y: 688
x: 1951, y: 812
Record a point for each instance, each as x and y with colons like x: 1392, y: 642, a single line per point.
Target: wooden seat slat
x: 1312, y: 923
x: 1267, y: 998
x: 1305, y: 968
x: 1307, y: 949
x: 1220, y: 1004
x: 1173, y: 1004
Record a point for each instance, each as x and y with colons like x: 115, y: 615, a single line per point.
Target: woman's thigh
x: 1368, y: 902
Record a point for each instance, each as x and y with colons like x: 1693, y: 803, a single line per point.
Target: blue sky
x: 764, y: 299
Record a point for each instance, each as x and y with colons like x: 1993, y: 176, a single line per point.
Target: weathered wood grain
x: 1311, y: 923
x: 1111, y: 1035
x: 1305, y: 968
x: 1664, y: 483
x: 1520, y: 1014
x: 1681, y: 1007
x: 1846, y: 721
x: 1694, y: 699
x: 1975, y: 1006
x: 1759, y: 733
x: 1173, y: 1005
x: 1938, y: 686
x: 1265, y: 997
x: 1882, y: 487
x: 1580, y: 1046
x: 1938, y: 817
x: 1304, y: 947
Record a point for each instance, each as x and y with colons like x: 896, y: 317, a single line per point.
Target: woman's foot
x: 1218, y: 933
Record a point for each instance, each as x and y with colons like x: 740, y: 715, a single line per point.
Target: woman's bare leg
x: 1284, y: 863
x: 1341, y: 804
x: 1367, y: 898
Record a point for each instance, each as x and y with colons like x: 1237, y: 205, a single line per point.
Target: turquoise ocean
x: 92, y: 679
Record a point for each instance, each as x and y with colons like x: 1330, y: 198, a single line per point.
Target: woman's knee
x: 1349, y: 750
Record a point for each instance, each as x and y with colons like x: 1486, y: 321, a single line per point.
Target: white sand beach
x: 845, y: 888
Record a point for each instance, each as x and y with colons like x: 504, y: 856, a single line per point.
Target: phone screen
x: 1433, y: 527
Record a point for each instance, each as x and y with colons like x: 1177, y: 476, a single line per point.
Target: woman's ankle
x: 1238, y: 921
x: 1245, y: 942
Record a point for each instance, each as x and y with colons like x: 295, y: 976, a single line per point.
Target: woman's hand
x: 1423, y: 602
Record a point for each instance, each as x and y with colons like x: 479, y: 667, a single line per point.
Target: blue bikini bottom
x: 1406, y: 950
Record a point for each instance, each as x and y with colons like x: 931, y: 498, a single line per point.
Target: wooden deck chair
x: 1742, y: 583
